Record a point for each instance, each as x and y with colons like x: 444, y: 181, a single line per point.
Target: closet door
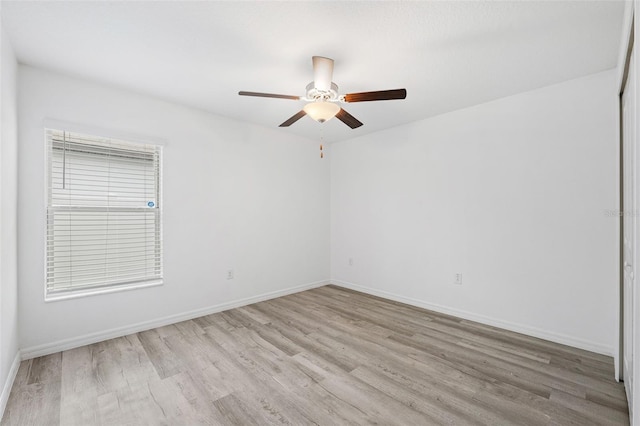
x: 630, y: 231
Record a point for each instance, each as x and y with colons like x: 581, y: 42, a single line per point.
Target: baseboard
x: 87, y: 339
x: 8, y: 384
x: 53, y: 347
x: 507, y: 325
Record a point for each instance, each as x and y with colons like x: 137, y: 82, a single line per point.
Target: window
x: 104, y: 224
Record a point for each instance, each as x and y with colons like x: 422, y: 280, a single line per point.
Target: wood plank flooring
x: 327, y: 356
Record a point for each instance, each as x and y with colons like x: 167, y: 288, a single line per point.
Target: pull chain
x: 321, y: 142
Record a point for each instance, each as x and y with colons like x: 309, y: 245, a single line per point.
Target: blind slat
x: 95, y: 284
x: 88, y: 272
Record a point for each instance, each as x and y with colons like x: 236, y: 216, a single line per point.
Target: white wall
x: 235, y: 196
x: 511, y: 193
x: 8, y: 211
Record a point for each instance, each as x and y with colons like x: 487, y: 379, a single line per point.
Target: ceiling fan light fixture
x: 323, y: 97
x: 321, y: 111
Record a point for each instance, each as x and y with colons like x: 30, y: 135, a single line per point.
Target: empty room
x: 319, y: 212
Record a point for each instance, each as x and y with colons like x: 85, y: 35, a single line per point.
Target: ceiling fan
x: 323, y: 98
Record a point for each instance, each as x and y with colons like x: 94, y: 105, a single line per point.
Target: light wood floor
x: 326, y: 356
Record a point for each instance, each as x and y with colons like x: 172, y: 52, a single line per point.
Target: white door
x: 630, y: 239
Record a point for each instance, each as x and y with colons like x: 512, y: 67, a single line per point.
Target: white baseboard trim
x: 8, y: 384
x: 507, y: 325
x: 87, y: 339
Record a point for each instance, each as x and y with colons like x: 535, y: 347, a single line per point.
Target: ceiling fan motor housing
x: 314, y: 94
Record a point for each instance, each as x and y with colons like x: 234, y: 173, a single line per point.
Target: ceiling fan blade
x: 380, y: 95
x: 348, y: 119
x: 268, y: 95
x: 322, y: 72
x: 297, y: 116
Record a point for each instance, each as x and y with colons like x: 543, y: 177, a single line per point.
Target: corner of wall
x: 8, y: 383
x: 9, y: 352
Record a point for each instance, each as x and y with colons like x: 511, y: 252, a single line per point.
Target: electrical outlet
x: 458, y: 278
x: 350, y: 261
x: 230, y: 274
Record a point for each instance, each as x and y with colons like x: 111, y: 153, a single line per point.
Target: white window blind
x: 103, y: 213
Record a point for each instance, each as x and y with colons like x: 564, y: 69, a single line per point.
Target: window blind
x: 103, y: 213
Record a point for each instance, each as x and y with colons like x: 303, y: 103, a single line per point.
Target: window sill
x: 97, y: 291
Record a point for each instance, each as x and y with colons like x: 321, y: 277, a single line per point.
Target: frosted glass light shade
x: 321, y: 111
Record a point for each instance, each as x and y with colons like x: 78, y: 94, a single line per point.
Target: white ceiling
x: 448, y: 55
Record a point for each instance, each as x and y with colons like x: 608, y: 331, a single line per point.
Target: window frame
x: 50, y: 296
